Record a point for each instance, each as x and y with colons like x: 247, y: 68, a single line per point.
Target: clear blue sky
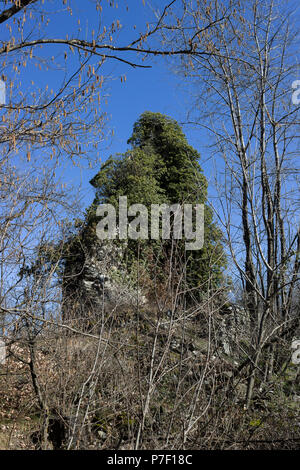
x: 156, y: 89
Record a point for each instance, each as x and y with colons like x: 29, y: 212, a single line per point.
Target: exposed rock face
x: 234, y: 326
x: 99, y: 280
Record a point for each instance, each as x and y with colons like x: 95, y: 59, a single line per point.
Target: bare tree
x: 246, y: 87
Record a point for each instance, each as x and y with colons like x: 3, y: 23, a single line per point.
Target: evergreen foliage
x: 161, y: 167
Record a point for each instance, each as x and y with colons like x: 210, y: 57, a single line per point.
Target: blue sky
x: 154, y: 89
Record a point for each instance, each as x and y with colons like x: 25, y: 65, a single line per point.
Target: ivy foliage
x: 161, y: 167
